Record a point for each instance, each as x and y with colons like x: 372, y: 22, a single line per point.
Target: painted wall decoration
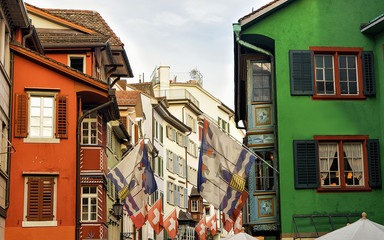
x: 266, y: 207
x: 261, y: 139
x: 263, y: 115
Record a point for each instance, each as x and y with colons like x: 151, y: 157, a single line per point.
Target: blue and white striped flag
x: 223, y: 168
x: 134, y: 180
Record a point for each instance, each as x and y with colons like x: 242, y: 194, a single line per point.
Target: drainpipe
x: 78, y: 129
x: 27, y: 36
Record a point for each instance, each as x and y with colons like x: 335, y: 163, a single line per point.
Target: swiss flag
x: 212, y: 225
x: 171, y: 225
x: 201, y: 229
x: 140, y: 217
x: 238, y: 223
x: 227, y: 222
x: 155, y: 217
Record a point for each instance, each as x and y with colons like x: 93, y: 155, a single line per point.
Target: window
x: 332, y: 73
x: 263, y: 173
x: 171, y: 133
x: 180, y: 139
x: 191, y: 122
x: 261, y: 81
x: 170, y: 160
x: 77, y: 62
x: 160, y: 166
x: 89, y: 203
x: 161, y: 133
x: 171, y: 193
x: 223, y: 125
x: 194, y: 205
x: 89, y: 129
x: 40, y: 116
x: 109, y: 136
x: 155, y: 129
x: 182, y: 196
x: 40, y: 207
x: 181, y: 166
x: 207, y: 211
x: 4, y: 148
x: 200, y: 133
x: 339, y: 162
x: 192, y: 175
x: 191, y: 149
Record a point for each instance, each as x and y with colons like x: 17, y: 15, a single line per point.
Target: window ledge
x: 41, y: 140
x: 39, y: 224
x: 351, y: 189
x: 339, y: 97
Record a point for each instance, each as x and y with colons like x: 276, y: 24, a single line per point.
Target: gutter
x: 78, y: 176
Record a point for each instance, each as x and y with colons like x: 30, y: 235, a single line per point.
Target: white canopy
x: 362, y: 229
x: 241, y: 236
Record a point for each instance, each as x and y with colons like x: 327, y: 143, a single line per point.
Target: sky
x: 182, y: 34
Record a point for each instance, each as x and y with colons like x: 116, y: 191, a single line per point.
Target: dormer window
x: 77, y: 62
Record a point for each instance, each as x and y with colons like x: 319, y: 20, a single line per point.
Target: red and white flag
x: 201, y: 229
x: 212, y: 225
x: 139, y: 217
x: 171, y: 225
x: 227, y: 222
x: 238, y: 223
x: 155, y: 217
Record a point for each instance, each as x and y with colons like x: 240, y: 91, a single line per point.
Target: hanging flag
x: 201, y: 229
x: 237, y: 227
x: 240, y: 203
x: 155, y: 217
x: 134, y: 180
x: 212, y: 225
x: 227, y: 222
x: 223, y: 169
x: 171, y: 225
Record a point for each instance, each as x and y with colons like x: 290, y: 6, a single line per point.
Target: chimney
x: 163, y: 72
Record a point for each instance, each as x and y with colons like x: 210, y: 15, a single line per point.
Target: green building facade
x: 308, y: 90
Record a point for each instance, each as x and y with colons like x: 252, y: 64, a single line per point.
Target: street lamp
x: 117, y: 209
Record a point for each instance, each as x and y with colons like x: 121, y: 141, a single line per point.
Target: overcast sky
x: 182, y: 34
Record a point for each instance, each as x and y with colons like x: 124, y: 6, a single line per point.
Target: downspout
x: 7, y: 193
x: 27, y: 36
x: 78, y: 176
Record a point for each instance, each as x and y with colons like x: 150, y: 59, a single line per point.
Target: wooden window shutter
x: 306, y: 168
x: 373, y: 150
x: 185, y: 197
x: 62, y: 116
x: 21, y: 115
x: 167, y: 159
x: 40, y: 199
x: 184, y: 168
x: 368, y: 73
x: 168, y: 192
x: 175, y: 163
x: 301, y: 72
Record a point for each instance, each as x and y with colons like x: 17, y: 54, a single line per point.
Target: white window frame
x: 88, y: 196
x: 181, y: 165
x: 193, y: 207
x: 89, y: 119
x: 42, y: 139
x: 77, y: 56
x: 52, y: 223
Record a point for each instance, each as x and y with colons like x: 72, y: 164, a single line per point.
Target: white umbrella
x: 241, y: 236
x: 362, y: 229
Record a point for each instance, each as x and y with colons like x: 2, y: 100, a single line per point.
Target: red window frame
x: 336, y: 51
x: 340, y: 139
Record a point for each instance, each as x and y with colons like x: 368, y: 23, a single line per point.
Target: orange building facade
x: 62, y: 102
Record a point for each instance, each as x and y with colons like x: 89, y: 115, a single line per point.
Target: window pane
x: 320, y: 87
x: 319, y: 74
x: 343, y: 74
x: 48, y: 102
x: 47, y: 132
x: 35, y: 101
x: 342, y: 61
x: 351, y: 61
x: 343, y: 87
x: 328, y: 74
x: 93, y: 189
x: 352, y: 88
x: 257, y: 95
x: 266, y: 95
x: 35, y: 121
x: 329, y: 87
x: 266, y: 82
x: 47, y: 122
x: 352, y: 75
x: 35, y: 111
x: 85, y: 189
x: 319, y: 61
x: 328, y: 62
x: 48, y: 112
x: 35, y: 131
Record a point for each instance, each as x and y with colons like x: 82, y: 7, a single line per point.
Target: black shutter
x: 301, y: 72
x: 306, y: 164
x: 368, y: 73
x: 373, y: 150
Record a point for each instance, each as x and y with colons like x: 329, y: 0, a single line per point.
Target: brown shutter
x: 40, y: 199
x: 47, y: 199
x: 33, y: 199
x: 62, y: 116
x: 21, y: 115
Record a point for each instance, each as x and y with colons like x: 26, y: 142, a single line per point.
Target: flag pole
x: 211, y: 121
